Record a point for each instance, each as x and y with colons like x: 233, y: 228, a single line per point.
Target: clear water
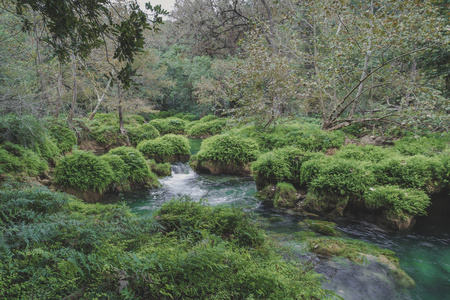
x: 424, y: 253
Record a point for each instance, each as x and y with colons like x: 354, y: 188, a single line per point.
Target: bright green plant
x: 285, y: 195
x: 63, y: 136
x: 368, y: 153
x: 397, y: 201
x: 429, y: 145
x: 139, y: 133
x: 164, y: 169
x: 228, y: 149
x: 169, y: 147
x: 118, y: 166
x: 84, y: 171
x: 169, y: 125
x: 204, y: 129
x: 31, y: 163
x: 136, y: 166
x: 208, y: 118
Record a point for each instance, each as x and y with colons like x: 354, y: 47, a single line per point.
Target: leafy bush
x: 23, y: 130
x: 137, y: 169
x: 47, y: 149
x: 139, y: 133
x: 203, y: 129
x: 63, y: 136
x: 285, y: 195
x: 208, y: 118
x: 169, y: 125
x: 397, y: 200
x: 15, y: 159
x: 119, y: 168
x: 84, y: 171
x: 185, y: 116
x: 169, y: 147
x: 228, y: 149
x: 367, y: 153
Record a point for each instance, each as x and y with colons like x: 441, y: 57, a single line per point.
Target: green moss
x: 139, y: 133
x: 169, y: 147
x: 321, y: 227
x: 208, y: 118
x: 84, y: 171
x: 419, y: 172
x: 205, y: 129
x: 228, y: 149
x: 63, y: 136
x: 169, y: 125
x: 281, y: 165
x: 164, y: 169
x: 374, y: 154
x: 136, y: 166
x: 285, y: 195
x: 428, y: 145
x: 397, y: 201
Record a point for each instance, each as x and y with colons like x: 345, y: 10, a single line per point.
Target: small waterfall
x: 181, y: 168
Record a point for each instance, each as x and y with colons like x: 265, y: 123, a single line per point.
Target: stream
x: 424, y: 252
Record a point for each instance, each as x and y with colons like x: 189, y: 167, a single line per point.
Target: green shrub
x: 23, y: 130
x: 208, y: 118
x: 285, y: 195
x: 281, y: 165
x: 164, y: 169
x: 185, y: 116
x: 139, y: 133
x: 118, y: 166
x: 169, y: 147
x: 169, y: 125
x: 63, y: 136
x: 396, y: 200
x: 84, y: 171
x: 228, y: 149
x: 429, y: 145
x: 137, y: 169
x: 31, y: 163
x: 47, y: 149
x: 203, y: 129
x: 368, y: 153
x: 419, y: 172
x: 189, y: 125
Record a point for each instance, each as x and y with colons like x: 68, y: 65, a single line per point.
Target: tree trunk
x: 57, y: 110
x: 100, y: 99
x: 74, y: 90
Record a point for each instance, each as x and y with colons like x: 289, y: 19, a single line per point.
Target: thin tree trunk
x: 59, y: 92
x: 100, y: 99
x: 74, y: 90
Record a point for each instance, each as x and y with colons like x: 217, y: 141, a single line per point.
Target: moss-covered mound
x: 55, y: 246
x: 285, y: 195
x: 169, y: 125
x: 168, y: 148
x: 281, y: 165
x: 163, y: 169
x: 16, y: 159
x: 84, y: 171
x: 203, y: 129
x: 137, y: 170
x: 302, y: 135
x: 226, y: 154
x: 63, y: 136
x: 139, y: 133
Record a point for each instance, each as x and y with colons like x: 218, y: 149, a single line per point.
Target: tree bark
x: 74, y: 90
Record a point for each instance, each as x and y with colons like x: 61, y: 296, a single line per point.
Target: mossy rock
x: 206, y: 129
x: 169, y: 125
x: 162, y: 170
x: 361, y: 253
x: 226, y: 154
x: 139, y: 133
x: 85, y: 172
x: 267, y: 193
x: 321, y: 227
x: 285, y: 195
x: 168, y: 148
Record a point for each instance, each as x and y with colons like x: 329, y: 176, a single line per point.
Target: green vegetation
x: 139, y: 133
x: 169, y: 125
x: 17, y: 159
x: 206, y: 128
x: 188, y: 251
x: 164, y: 169
x: 285, y: 195
x: 136, y: 167
x: 84, y: 171
x: 228, y: 149
x: 429, y: 145
x: 168, y: 148
x: 63, y: 136
x: 322, y: 227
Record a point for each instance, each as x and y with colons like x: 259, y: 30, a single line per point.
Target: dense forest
x: 329, y: 112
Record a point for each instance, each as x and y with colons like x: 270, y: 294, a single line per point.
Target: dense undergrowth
x: 54, y: 246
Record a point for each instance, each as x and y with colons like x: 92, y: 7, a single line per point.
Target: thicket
x: 63, y: 136
x: 429, y: 145
x: 228, y: 149
x: 168, y: 148
x: 54, y: 246
x: 139, y: 133
x: 16, y: 159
